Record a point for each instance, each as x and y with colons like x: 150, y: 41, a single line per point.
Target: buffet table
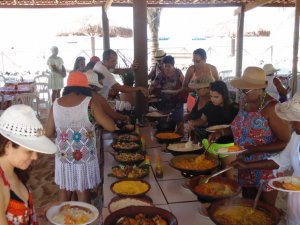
x: 167, y: 192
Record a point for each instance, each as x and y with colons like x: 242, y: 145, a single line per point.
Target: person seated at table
x: 201, y: 87
x: 167, y: 85
x: 21, y: 139
x: 79, y: 64
x: 110, y: 60
x: 157, y: 68
x: 287, y: 159
x: 94, y: 83
x: 218, y: 111
x: 199, y: 68
x: 258, y: 129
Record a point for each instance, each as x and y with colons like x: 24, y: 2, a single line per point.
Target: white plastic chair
x: 2, y: 81
x: 30, y: 99
x: 41, y: 78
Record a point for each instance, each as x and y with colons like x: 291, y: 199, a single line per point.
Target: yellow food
x: 241, y: 215
x: 130, y: 187
x: 168, y: 135
x: 197, y: 163
x: 214, y: 189
x: 291, y: 186
x: 234, y: 148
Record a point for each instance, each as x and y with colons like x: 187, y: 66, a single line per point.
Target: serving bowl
x: 122, y: 202
x: 181, y: 149
x: 149, y: 211
x: 128, y: 138
x: 124, y: 128
x: 129, y: 158
x: 167, y: 137
x: 222, y: 211
x: 136, y: 172
x: 216, y: 189
x: 130, y: 187
x: 125, y: 146
x: 184, y: 163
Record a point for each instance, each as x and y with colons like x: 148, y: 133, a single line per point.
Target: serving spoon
x: 205, y: 180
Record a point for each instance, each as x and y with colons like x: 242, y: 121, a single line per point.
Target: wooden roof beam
x: 252, y: 5
x: 107, y: 4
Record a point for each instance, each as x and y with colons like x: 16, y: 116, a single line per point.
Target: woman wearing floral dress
x: 258, y: 129
x: 73, y: 118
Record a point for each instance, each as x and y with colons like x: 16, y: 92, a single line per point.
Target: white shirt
x: 287, y: 159
x: 108, y: 80
x: 57, y: 61
x: 271, y: 88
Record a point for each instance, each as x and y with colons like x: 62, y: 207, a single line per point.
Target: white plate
x: 216, y: 127
x: 156, y: 114
x: 52, y: 211
x: 121, y: 203
x: 170, y: 91
x: 180, y: 147
x: 289, y: 179
x: 224, y: 151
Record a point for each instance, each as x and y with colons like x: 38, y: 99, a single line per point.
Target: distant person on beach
x: 106, y: 67
x: 79, y: 64
x: 58, y: 72
x: 72, y: 122
x: 21, y: 139
x: 275, y: 86
x: 199, y: 68
x: 157, y: 68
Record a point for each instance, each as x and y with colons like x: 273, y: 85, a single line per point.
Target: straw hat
x: 253, y: 78
x: 269, y: 69
x: 159, y: 54
x: 202, y: 81
x: 19, y: 124
x: 93, y: 78
x: 289, y: 110
x: 77, y: 79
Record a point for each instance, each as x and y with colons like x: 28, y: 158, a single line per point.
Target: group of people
x: 258, y: 122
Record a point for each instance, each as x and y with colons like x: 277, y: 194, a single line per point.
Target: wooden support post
x: 105, y: 27
x: 295, y: 47
x: 240, y: 38
x: 140, y: 53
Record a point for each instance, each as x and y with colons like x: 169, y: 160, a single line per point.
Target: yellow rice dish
x: 130, y: 187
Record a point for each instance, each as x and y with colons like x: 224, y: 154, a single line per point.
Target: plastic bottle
x: 143, y: 142
x: 158, y: 169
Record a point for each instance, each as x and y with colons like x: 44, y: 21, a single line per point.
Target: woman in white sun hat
x: 288, y: 159
x: 157, y: 68
x: 21, y: 139
x: 258, y: 129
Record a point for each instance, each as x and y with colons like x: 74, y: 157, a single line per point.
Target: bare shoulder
x: 4, y: 195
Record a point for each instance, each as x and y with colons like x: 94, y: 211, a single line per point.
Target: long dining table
x: 168, y: 192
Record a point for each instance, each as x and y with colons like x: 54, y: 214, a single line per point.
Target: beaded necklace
x: 261, y: 102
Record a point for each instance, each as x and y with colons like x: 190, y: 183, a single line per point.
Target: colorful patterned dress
x: 18, y: 212
x: 251, y: 128
x: 76, y: 162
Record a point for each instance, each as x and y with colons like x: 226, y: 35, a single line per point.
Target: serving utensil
x: 257, y: 195
x: 205, y: 180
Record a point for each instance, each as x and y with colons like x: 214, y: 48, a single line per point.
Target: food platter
x: 286, y: 184
x: 240, y: 211
x: 232, y: 150
x: 182, y: 148
x: 120, y: 203
x: 129, y: 158
x: 55, y: 214
x: 125, y: 128
x: 216, y: 127
x: 149, y: 211
x: 125, y: 146
x: 185, y: 164
x: 128, y: 138
x: 168, y: 137
x: 216, y: 189
x: 129, y: 171
x: 130, y: 187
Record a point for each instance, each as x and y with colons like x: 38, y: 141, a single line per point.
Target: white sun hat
x: 19, y: 124
x: 93, y: 78
x: 160, y: 54
x: 289, y: 110
x: 269, y: 69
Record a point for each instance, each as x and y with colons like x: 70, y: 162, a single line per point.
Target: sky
x: 24, y: 30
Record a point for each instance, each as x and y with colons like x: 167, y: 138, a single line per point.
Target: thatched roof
x: 150, y: 3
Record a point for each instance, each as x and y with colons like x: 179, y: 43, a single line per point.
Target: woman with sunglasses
x: 258, y: 129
